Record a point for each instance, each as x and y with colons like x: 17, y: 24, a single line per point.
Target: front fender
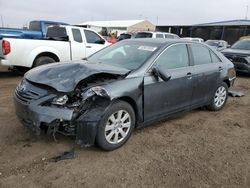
x: 128, y: 90
x: 87, y: 122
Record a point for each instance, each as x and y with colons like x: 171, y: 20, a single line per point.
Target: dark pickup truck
x: 239, y: 54
x: 37, y: 29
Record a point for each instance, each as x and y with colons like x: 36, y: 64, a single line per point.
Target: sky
x: 18, y: 13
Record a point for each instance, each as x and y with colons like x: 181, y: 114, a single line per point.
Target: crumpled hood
x: 236, y: 51
x: 65, y: 76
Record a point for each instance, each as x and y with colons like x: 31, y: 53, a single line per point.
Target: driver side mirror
x: 161, y: 74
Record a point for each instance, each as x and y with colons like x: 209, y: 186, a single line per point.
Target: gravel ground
x: 195, y: 149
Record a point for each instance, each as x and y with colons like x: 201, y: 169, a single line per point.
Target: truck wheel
x: 116, y: 126
x: 43, y: 60
x: 220, y: 97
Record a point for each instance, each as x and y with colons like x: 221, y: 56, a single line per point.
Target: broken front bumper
x: 34, y: 114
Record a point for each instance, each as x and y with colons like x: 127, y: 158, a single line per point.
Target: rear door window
x: 92, y: 37
x: 77, y: 35
x: 159, y: 36
x: 214, y: 57
x: 174, y: 57
x: 169, y: 36
x: 201, y: 54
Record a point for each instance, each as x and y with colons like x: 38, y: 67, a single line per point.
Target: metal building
x: 229, y: 31
x: 119, y: 26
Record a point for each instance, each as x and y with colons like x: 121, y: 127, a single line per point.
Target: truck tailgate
x: 1, y: 49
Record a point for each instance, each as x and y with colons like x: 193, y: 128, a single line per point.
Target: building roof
x: 113, y: 23
x: 227, y: 23
x: 220, y: 23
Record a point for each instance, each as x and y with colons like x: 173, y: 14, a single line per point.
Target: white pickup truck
x: 62, y: 43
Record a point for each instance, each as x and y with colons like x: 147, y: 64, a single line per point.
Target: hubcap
x: 117, y: 127
x: 220, y: 96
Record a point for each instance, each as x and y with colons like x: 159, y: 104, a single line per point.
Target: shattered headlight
x: 62, y: 100
x: 100, y: 91
x: 97, y: 90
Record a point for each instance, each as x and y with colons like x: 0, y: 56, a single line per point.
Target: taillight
x: 6, y: 47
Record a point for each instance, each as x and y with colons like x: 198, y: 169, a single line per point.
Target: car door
x: 207, y: 68
x: 94, y: 42
x: 77, y: 46
x: 165, y: 97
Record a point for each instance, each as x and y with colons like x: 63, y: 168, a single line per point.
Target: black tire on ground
x: 43, y: 60
x: 104, y: 130
x: 221, y: 93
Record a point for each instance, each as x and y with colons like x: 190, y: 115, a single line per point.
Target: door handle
x: 220, y: 69
x: 88, y: 46
x: 189, y: 75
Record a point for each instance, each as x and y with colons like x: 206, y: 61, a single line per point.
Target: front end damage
x: 76, y: 113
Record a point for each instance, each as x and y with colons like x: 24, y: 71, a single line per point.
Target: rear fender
x: 35, y: 52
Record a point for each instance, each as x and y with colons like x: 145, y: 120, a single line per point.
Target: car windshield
x: 212, y: 43
x: 242, y: 44
x: 130, y: 55
x: 143, y: 35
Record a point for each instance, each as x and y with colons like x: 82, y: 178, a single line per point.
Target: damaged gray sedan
x: 122, y: 87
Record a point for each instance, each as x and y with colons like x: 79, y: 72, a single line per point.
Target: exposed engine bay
x: 87, y: 94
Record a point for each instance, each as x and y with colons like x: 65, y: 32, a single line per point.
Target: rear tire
x: 219, y: 98
x: 43, y: 60
x: 116, y: 126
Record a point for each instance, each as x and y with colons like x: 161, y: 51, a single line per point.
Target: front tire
x: 220, y: 98
x: 116, y: 126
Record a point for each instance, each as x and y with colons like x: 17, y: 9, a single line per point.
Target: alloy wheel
x: 117, y: 127
x: 220, y: 96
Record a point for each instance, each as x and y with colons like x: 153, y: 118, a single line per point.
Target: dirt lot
x: 195, y: 149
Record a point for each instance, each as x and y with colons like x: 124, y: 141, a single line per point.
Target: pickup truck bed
x: 33, y: 47
x: 19, y: 33
x: 75, y: 43
x: 37, y: 29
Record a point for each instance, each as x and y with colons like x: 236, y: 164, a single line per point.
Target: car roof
x: 126, y: 33
x: 157, y: 32
x: 160, y: 41
x: 216, y: 40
